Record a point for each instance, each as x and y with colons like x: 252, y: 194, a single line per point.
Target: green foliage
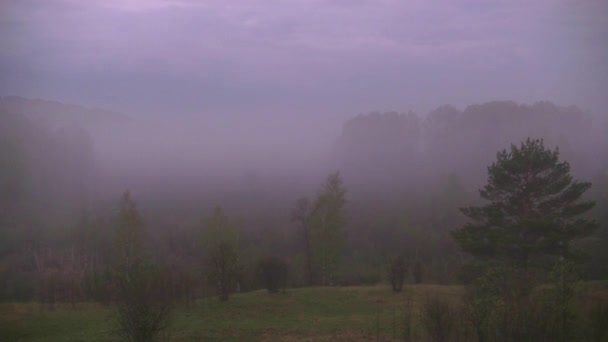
x: 326, y: 226
x: 221, y: 248
x: 534, y: 208
x: 505, y: 303
x: 597, y: 266
x: 561, y: 296
x: 144, y: 305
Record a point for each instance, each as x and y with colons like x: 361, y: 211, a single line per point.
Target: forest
x: 148, y: 216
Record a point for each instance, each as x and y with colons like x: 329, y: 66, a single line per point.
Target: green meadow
x: 305, y: 314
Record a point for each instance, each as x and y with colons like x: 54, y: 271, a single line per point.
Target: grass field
x: 307, y: 314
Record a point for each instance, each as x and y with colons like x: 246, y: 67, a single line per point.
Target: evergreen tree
x: 535, y: 208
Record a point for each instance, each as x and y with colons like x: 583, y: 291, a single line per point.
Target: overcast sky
x: 306, y: 57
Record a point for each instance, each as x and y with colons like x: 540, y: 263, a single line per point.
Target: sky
x: 307, y: 57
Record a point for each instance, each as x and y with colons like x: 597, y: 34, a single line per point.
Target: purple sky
x: 303, y: 57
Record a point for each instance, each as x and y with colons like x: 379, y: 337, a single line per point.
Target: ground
x: 307, y: 314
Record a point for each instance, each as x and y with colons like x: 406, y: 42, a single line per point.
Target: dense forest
x: 387, y: 187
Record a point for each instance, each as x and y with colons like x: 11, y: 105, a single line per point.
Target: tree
x: 141, y: 297
x: 326, y: 219
x: 597, y: 264
x: 221, y: 253
x: 301, y: 214
x: 535, y: 211
x: 535, y: 208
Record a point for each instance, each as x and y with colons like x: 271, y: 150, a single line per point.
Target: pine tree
x: 535, y: 208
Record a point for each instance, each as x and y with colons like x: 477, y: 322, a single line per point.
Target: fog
x: 218, y: 159
x: 319, y: 58
x: 185, y: 106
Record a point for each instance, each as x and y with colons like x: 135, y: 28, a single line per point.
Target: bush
x: 273, y: 273
x: 505, y: 304
x: 143, y: 304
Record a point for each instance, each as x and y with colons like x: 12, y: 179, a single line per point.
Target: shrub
x: 143, y: 305
x: 438, y: 319
x: 503, y: 304
x: 273, y: 273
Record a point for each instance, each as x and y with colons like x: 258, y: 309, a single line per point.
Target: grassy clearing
x: 348, y: 313
x: 308, y: 314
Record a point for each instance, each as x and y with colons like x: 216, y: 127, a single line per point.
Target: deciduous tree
x: 327, y: 220
x: 143, y: 304
x: 220, y: 243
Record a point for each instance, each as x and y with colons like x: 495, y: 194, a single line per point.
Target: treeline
x: 393, y: 205
x: 408, y: 174
x: 390, y: 146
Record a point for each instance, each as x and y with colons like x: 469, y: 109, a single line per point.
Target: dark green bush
x: 273, y: 273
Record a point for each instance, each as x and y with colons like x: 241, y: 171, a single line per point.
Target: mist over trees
x: 403, y: 176
x: 450, y: 141
x: 176, y: 170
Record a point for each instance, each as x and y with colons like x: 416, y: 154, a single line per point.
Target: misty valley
x: 303, y: 170
x: 487, y: 223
